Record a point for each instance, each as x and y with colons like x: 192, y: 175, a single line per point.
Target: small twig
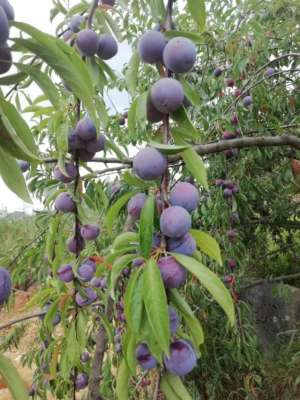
x: 92, y: 12
x: 272, y: 280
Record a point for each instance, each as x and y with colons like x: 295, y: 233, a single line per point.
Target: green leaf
x: 119, y: 264
x: 211, y: 282
x: 195, y: 37
x: 155, y: 300
x: 197, y: 11
x: 146, y: 226
x: 129, y: 343
x: 12, y: 79
x: 185, y: 127
x: 133, y: 301
x: 132, y: 72
x: 125, y: 239
x: 167, y: 389
x: 137, y: 112
x: 73, y: 349
x: 123, y: 378
x: 135, y: 181
x: 49, y: 317
x: 207, y: 244
x: 177, y: 386
x: 168, y: 148
x: 12, y: 176
x: 191, y: 93
x: 12, y: 379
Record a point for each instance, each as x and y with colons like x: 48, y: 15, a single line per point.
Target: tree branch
x: 272, y: 280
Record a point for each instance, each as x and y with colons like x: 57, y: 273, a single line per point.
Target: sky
x: 36, y: 12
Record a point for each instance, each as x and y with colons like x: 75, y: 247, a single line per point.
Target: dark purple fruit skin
x: 135, y: 205
x: 5, y: 285
x: 151, y: 47
x: 153, y: 115
x: 75, y: 23
x: 4, y: 27
x: 108, y: 47
x: 24, y: 165
x: 247, y: 101
x: 75, y: 245
x: 149, y: 164
x: 269, y: 72
x: 182, y: 358
x: 175, y: 222
x: 66, y: 37
x: 95, y: 145
x: 137, y: 262
x: 65, y: 273
x: 184, y: 245
x: 179, y: 55
x: 167, y: 95
x: 144, y: 357
x: 87, y: 42
x: 85, y: 155
x: 86, y: 129
x: 217, y: 72
x: 91, y: 296
x: 90, y: 231
x: 71, y: 171
x: 174, y: 320
x: 75, y: 143
x: 81, y: 381
x: 230, y: 83
x: 6, y: 60
x: 173, y: 274
x: 64, y: 203
x: 234, y: 120
x: 185, y: 195
x: 85, y: 357
x: 85, y: 272
x: 8, y: 9
x: 109, y: 2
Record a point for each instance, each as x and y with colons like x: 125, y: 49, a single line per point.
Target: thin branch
x: 92, y: 12
x: 22, y: 319
x: 272, y: 280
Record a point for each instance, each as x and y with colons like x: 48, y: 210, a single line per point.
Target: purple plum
x: 90, y: 231
x: 153, y: 115
x: 269, y: 72
x: 173, y: 274
x: 75, y: 23
x: 167, y: 95
x: 182, y: 358
x: 151, y: 47
x: 185, y: 195
x: 88, y: 298
x: 231, y: 263
x: 75, y: 142
x: 227, y: 193
x: 100, y: 283
x: 217, y: 72
x: 24, y: 165
x: 247, y: 101
x: 5, y: 60
x: 175, y: 222
x: 149, y: 164
x: 227, y: 135
x: 179, y: 55
x: 135, y: 205
x: 232, y: 235
x: 65, y: 203
x: 81, y: 381
x: 230, y: 82
x: 85, y: 155
x: 86, y: 129
x: 65, y: 273
x: 74, y: 245
x: 234, y: 120
x: 85, y: 357
x: 108, y: 47
x: 85, y: 272
x: 183, y: 245
x: 8, y: 9
x: 137, y: 262
x: 87, y: 42
x: 95, y: 145
x: 5, y: 285
x: 144, y: 357
x: 60, y: 176
x: 4, y: 27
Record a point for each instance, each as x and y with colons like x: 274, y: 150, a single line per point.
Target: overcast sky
x: 36, y: 12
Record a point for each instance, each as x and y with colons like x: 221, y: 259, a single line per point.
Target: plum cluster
x: 6, y: 14
x: 229, y: 188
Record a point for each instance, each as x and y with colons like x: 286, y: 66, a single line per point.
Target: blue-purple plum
x: 269, y: 72
x: 179, y: 55
x: 75, y: 245
x: 90, y: 231
x: 173, y: 274
x: 75, y: 142
x: 247, y: 101
x: 167, y: 95
x: 65, y: 203
x: 71, y: 170
x: 138, y: 262
x: 91, y: 263
x: 95, y: 145
x: 234, y: 219
x: 5, y: 60
x: 88, y: 298
x: 174, y: 320
x: 153, y: 115
x: 156, y: 241
x: 87, y: 42
x: 219, y: 182
x: 185, y: 195
x: 86, y: 129
x: 175, y: 222
x: 184, y: 245
x: 75, y: 23
x: 144, y: 357
x: 24, y: 165
x: 149, y: 164
x: 151, y: 47
x: 65, y: 273
x: 182, y: 358
x: 85, y: 155
x: 81, y: 381
x: 217, y: 72
x: 8, y: 9
x: 135, y: 205
x: 85, y: 357
x: 85, y: 272
x: 108, y: 47
x: 4, y: 27
x: 5, y: 285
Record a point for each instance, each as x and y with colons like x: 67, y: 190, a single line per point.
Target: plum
x: 75, y: 23
x: 107, y: 47
x: 8, y: 9
x: 81, y: 381
x: 151, y: 47
x: 149, y: 164
x: 227, y: 135
x: 175, y: 222
x: 237, y: 93
x: 229, y: 279
x: 227, y: 193
x: 100, y: 283
x: 179, y: 55
x: 85, y: 272
x: 88, y: 298
x: 85, y: 357
x: 65, y: 203
x: 75, y: 142
x: 85, y: 155
x: 87, y: 42
x: 247, y: 101
x: 137, y: 262
x: 184, y: 245
x: 174, y: 320
x: 269, y: 72
x: 153, y: 115
x: 234, y: 120
x: 5, y: 285
x: 91, y: 263
x: 5, y: 60
x: 167, y: 95
x: 231, y: 263
x: 110, y: 3
x: 90, y: 231
x: 65, y: 273
x: 182, y: 358
x: 185, y: 195
x: 135, y: 205
x: 60, y: 176
x: 173, y: 274
x: 24, y: 165
x: 86, y: 129
x: 95, y: 145
x: 4, y: 27
x: 217, y: 72
x: 75, y: 245
x: 230, y: 82
x: 232, y: 235
x: 144, y: 357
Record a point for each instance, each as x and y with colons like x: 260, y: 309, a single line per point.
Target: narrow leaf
x: 122, y: 386
x: 146, y: 226
x: 13, y: 379
x: 132, y: 72
x: 197, y: 11
x: 207, y: 244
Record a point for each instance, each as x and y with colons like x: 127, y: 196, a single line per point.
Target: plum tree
x: 8, y: 9
x: 175, y: 222
x: 153, y: 115
x: 185, y: 195
x: 4, y: 27
x: 144, y: 357
x: 75, y: 23
x: 64, y: 202
x: 5, y: 285
x: 65, y: 273
x: 182, y: 358
x: 135, y: 205
x: 60, y: 175
x: 5, y: 60
x: 179, y: 55
x: 90, y: 231
x: 108, y: 47
x: 86, y: 129
x: 149, y: 164
x: 167, y: 95
x: 173, y: 274
x: 151, y: 46
x: 87, y: 42
x: 183, y: 245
